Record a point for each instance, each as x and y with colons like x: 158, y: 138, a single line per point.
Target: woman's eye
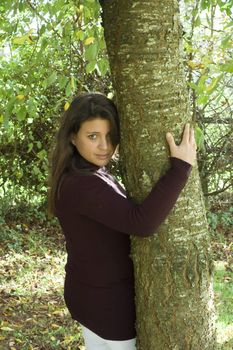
x: 92, y: 136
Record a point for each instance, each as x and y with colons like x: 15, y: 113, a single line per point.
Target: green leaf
x: 73, y: 83
x: 199, y: 137
x: 201, y: 84
x: 42, y: 154
x: 9, y: 109
x: 80, y: 35
x: 91, y: 52
x: 62, y: 81
x: 192, y: 85
x: 226, y: 42
x: 68, y: 90
x: 36, y: 170
x: 90, y: 67
x: 103, y: 66
x: 197, y: 21
x: 50, y: 80
x: 213, y: 85
x: 32, y: 107
x: 202, y: 99
x: 21, y: 113
x: 30, y: 147
x: 227, y: 67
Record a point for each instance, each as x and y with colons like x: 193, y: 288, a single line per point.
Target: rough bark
x: 173, y: 269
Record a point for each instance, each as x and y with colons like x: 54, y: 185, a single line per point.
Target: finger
x: 192, y: 138
x: 191, y: 135
x: 170, y: 140
x: 186, y: 133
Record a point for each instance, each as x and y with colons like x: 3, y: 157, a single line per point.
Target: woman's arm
x: 92, y: 197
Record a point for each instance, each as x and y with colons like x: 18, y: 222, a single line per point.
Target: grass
x: 34, y: 316
x: 223, y: 288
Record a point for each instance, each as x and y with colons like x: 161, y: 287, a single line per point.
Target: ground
x: 34, y: 316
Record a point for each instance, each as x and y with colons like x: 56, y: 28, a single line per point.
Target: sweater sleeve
x: 92, y: 197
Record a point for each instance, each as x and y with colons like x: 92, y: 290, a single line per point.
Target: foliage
x: 208, y: 43
x: 50, y: 51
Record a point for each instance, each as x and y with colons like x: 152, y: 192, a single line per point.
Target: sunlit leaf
x: 7, y: 329
x: 89, y: 41
x: 66, y: 106
x: 20, y: 97
x: 195, y: 65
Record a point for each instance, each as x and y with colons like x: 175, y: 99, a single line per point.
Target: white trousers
x: 94, y: 342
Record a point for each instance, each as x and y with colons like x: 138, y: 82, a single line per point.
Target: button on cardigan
x: 97, y: 220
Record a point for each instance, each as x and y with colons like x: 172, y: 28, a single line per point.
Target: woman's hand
x: 187, y: 148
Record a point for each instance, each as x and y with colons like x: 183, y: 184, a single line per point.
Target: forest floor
x: 34, y: 316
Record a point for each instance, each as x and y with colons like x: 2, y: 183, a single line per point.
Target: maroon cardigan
x: 97, y: 220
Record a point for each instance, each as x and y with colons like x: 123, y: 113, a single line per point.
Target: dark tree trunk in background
x: 173, y: 269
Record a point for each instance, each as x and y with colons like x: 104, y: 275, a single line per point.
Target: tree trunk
x: 173, y: 269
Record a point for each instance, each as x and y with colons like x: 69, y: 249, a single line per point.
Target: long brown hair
x: 65, y: 155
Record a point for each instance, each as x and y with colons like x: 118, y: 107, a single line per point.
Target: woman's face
x: 93, y: 141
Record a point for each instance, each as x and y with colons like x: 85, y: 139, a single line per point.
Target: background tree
x: 173, y: 271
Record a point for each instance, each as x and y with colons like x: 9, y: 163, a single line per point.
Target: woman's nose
x: 103, y: 144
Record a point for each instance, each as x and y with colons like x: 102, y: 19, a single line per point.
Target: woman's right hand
x: 186, y: 150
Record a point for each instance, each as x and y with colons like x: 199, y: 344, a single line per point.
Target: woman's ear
x: 72, y: 139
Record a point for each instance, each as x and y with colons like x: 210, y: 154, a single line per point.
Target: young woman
x: 97, y: 219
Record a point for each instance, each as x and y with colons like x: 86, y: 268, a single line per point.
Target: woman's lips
x: 102, y: 156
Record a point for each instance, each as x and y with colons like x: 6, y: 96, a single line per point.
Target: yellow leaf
x: 195, y: 65
x: 66, y: 106
x: 7, y: 329
x: 20, y: 40
x: 20, y: 97
x: 54, y: 325
x: 89, y: 41
x: 72, y: 83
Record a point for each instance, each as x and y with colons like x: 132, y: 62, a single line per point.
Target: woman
x: 97, y: 218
